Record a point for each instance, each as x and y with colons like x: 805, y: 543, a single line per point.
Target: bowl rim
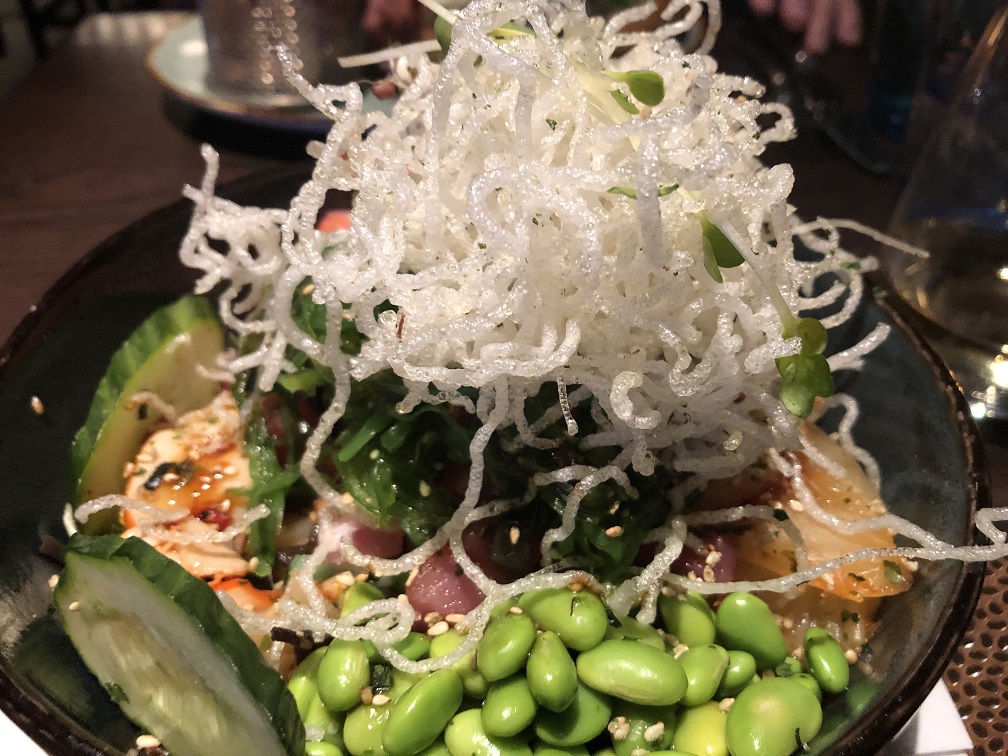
x: 56, y: 732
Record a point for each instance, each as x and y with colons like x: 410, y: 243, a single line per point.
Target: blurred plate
x: 179, y: 64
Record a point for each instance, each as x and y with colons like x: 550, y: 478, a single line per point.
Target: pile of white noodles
x: 484, y: 215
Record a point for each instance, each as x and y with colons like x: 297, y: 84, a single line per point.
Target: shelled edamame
x: 556, y: 673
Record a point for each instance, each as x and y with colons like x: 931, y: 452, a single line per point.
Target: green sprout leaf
x: 629, y: 191
x: 803, y: 378
x: 811, y: 332
x: 892, y: 571
x: 442, y: 33
x: 646, y: 86
x: 624, y: 102
x: 719, y: 252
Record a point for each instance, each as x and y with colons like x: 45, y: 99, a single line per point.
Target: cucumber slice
x: 160, y: 356
x: 169, y: 654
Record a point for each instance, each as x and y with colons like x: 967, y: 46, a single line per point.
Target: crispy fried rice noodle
x: 484, y: 215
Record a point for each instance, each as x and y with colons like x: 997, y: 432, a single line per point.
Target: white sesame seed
x: 147, y: 741
x: 346, y: 578
x: 851, y: 654
x: 424, y: 488
x: 432, y: 618
x: 54, y: 581
x: 74, y: 606
x: 438, y: 628
x: 380, y: 699
x: 515, y: 610
x: 514, y: 533
x: 614, y: 532
x: 655, y: 731
x: 454, y: 619
x: 37, y: 407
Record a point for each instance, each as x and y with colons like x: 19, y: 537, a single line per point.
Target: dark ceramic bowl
x: 914, y: 420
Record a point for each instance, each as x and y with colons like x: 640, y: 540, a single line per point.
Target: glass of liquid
x: 955, y: 206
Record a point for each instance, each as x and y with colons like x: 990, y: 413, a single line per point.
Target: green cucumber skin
x: 97, y: 467
x: 141, y: 568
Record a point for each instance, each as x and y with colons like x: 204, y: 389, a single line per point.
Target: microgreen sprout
x: 805, y: 375
x: 647, y: 87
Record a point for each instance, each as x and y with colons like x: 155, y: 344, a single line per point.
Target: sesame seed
x: 614, y: 532
x: 515, y: 610
x: 514, y: 533
x: 37, y: 407
x: 54, y: 581
x: 74, y: 606
x: 797, y: 506
x: 366, y: 695
x: 911, y: 565
x: 253, y: 563
x: 614, y: 508
x: 345, y: 578
x: 432, y: 618
x: 380, y: 700
x: 619, y: 728
x: 708, y: 574
x: 147, y: 741
x: 725, y: 703
x: 424, y: 488
x: 851, y: 654
x: 438, y: 628
x: 454, y: 619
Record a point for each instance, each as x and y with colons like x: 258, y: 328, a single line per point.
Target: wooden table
x: 90, y: 143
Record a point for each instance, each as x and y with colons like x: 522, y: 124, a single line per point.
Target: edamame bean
x: 551, y: 673
x: 414, y: 646
x: 859, y: 695
x: 583, y: 720
x: 702, y: 730
x: 504, y: 647
x: 633, y: 629
x: 688, y: 617
x: 809, y: 682
x: 546, y: 750
x: 465, y: 736
x: 633, y: 672
x: 343, y: 671
x: 740, y: 672
x: 420, y: 715
x: 475, y: 684
x: 578, y: 617
x: 321, y: 748
x: 636, y: 728
x: 788, y: 668
x: 309, y: 665
x: 772, y: 717
x: 509, y: 707
x: 826, y: 659
x: 362, y: 730
x: 503, y: 607
x: 745, y: 623
x: 304, y: 691
x: 322, y: 720
x: 358, y: 595
x: 437, y: 748
x: 704, y: 667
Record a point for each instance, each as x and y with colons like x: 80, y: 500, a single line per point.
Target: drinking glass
x: 955, y: 205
